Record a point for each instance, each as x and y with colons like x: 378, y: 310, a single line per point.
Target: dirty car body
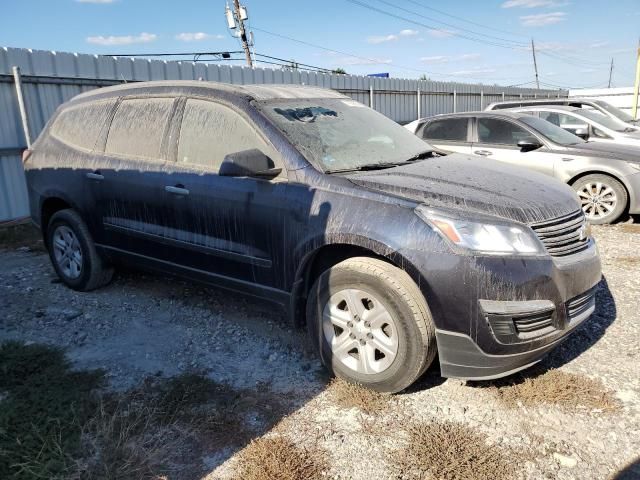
x: 503, y: 260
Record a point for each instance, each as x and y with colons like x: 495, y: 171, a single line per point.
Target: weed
x: 446, y: 450
x: 558, y: 388
x: 349, y: 395
x: 276, y: 458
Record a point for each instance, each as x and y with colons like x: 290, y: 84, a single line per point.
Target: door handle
x: 95, y: 175
x: 178, y: 190
x: 484, y: 153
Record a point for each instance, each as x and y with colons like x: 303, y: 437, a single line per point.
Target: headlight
x: 487, y: 238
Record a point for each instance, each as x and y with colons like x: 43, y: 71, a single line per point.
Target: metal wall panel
x: 51, y: 78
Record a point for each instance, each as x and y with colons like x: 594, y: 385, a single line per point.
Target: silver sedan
x: 606, y: 177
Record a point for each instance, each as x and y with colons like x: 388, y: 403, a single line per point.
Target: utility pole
x: 610, y: 73
x: 235, y: 19
x: 535, y: 64
x: 636, y: 87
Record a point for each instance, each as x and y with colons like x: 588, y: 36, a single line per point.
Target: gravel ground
x: 142, y: 325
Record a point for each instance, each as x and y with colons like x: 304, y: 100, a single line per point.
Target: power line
x: 431, y: 27
x: 452, y: 26
x: 368, y: 60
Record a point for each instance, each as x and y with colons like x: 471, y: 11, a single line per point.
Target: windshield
x: 342, y: 134
x: 608, y: 122
x: 615, y: 111
x: 555, y: 134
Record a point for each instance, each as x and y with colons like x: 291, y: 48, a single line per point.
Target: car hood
x: 475, y: 185
x: 628, y: 153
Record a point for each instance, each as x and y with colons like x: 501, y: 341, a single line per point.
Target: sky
x: 485, y: 41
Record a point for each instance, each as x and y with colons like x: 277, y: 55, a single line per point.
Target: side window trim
x: 101, y: 143
x: 172, y: 136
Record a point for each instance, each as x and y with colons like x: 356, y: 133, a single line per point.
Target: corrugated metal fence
x: 51, y: 78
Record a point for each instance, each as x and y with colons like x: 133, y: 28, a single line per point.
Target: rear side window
x: 210, y: 131
x: 454, y: 129
x: 82, y: 126
x: 138, y: 127
x: 501, y: 132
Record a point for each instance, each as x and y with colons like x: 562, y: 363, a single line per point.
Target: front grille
x: 563, y: 236
x: 534, y: 325
x: 582, y: 306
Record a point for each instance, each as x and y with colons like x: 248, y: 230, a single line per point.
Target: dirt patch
x: 24, y: 235
x: 556, y: 387
x: 447, y: 450
x: 349, y: 395
x: 276, y: 458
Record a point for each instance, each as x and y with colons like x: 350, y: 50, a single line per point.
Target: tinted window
x: 81, y: 126
x: 211, y: 131
x: 491, y: 130
x: 138, y: 127
x: 447, y: 129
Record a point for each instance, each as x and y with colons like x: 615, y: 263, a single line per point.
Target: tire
x: 363, y: 285
x: 604, y: 199
x: 80, y: 268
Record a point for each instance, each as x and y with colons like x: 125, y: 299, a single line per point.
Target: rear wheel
x: 603, y: 198
x: 73, y: 253
x: 370, y: 324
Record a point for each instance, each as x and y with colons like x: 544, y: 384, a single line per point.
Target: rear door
x: 448, y: 134
x: 133, y: 174
x: 498, y: 139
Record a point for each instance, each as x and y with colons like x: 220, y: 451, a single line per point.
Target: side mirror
x: 583, y: 133
x: 248, y: 163
x: 528, y: 144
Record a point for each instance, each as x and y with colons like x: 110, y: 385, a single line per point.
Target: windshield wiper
x: 421, y: 155
x: 365, y: 167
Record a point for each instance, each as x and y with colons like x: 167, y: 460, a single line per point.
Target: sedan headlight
x: 487, y: 238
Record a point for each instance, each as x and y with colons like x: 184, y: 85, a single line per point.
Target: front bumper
x: 497, y: 315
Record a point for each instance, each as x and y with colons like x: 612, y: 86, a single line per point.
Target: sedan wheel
x: 603, y: 198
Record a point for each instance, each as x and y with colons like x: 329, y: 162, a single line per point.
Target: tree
x: 339, y: 71
x: 423, y: 77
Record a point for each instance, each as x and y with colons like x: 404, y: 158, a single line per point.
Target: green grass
x: 43, y: 408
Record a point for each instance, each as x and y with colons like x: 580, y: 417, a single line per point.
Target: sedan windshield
x: 555, y: 134
x: 615, y: 111
x: 338, y: 134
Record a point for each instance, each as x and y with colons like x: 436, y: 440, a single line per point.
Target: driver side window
x: 500, y: 132
x: 210, y: 131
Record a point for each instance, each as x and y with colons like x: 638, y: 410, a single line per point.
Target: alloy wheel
x: 67, y: 251
x: 598, y: 200
x: 360, y: 331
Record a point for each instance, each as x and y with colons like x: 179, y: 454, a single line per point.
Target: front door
x: 498, y: 139
x: 230, y: 227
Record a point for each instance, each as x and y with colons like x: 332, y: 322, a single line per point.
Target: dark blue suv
x: 388, y: 250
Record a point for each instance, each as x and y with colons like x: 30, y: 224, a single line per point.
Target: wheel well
x: 607, y: 174
x: 321, y: 260
x: 49, y: 207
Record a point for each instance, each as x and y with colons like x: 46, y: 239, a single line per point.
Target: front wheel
x: 371, y: 324
x: 603, y: 198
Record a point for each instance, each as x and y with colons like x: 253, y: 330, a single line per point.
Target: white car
x: 599, y: 106
x: 587, y: 124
